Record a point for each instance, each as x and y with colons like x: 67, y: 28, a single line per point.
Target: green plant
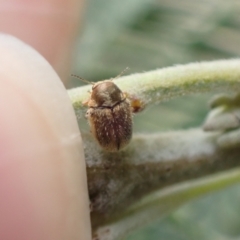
x: 157, y: 173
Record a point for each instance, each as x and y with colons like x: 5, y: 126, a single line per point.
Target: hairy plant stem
x: 160, y: 203
x: 117, y: 181
x: 171, y: 82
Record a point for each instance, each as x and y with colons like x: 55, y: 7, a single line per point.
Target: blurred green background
x: 149, y: 34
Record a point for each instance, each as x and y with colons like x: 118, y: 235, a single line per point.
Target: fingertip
x: 43, y: 175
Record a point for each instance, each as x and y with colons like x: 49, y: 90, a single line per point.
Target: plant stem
x: 164, y: 84
x: 153, y: 162
x: 150, y: 163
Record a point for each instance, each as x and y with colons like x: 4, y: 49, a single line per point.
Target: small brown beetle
x: 109, y: 116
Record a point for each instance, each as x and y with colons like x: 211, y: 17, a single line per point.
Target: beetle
x: 109, y: 115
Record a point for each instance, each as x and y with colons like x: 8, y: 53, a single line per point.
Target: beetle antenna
x: 121, y: 73
x: 82, y: 79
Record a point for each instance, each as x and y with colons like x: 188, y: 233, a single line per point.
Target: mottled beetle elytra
x: 109, y: 115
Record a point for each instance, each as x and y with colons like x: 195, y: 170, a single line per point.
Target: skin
x: 42, y: 169
x: 50, y: 26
